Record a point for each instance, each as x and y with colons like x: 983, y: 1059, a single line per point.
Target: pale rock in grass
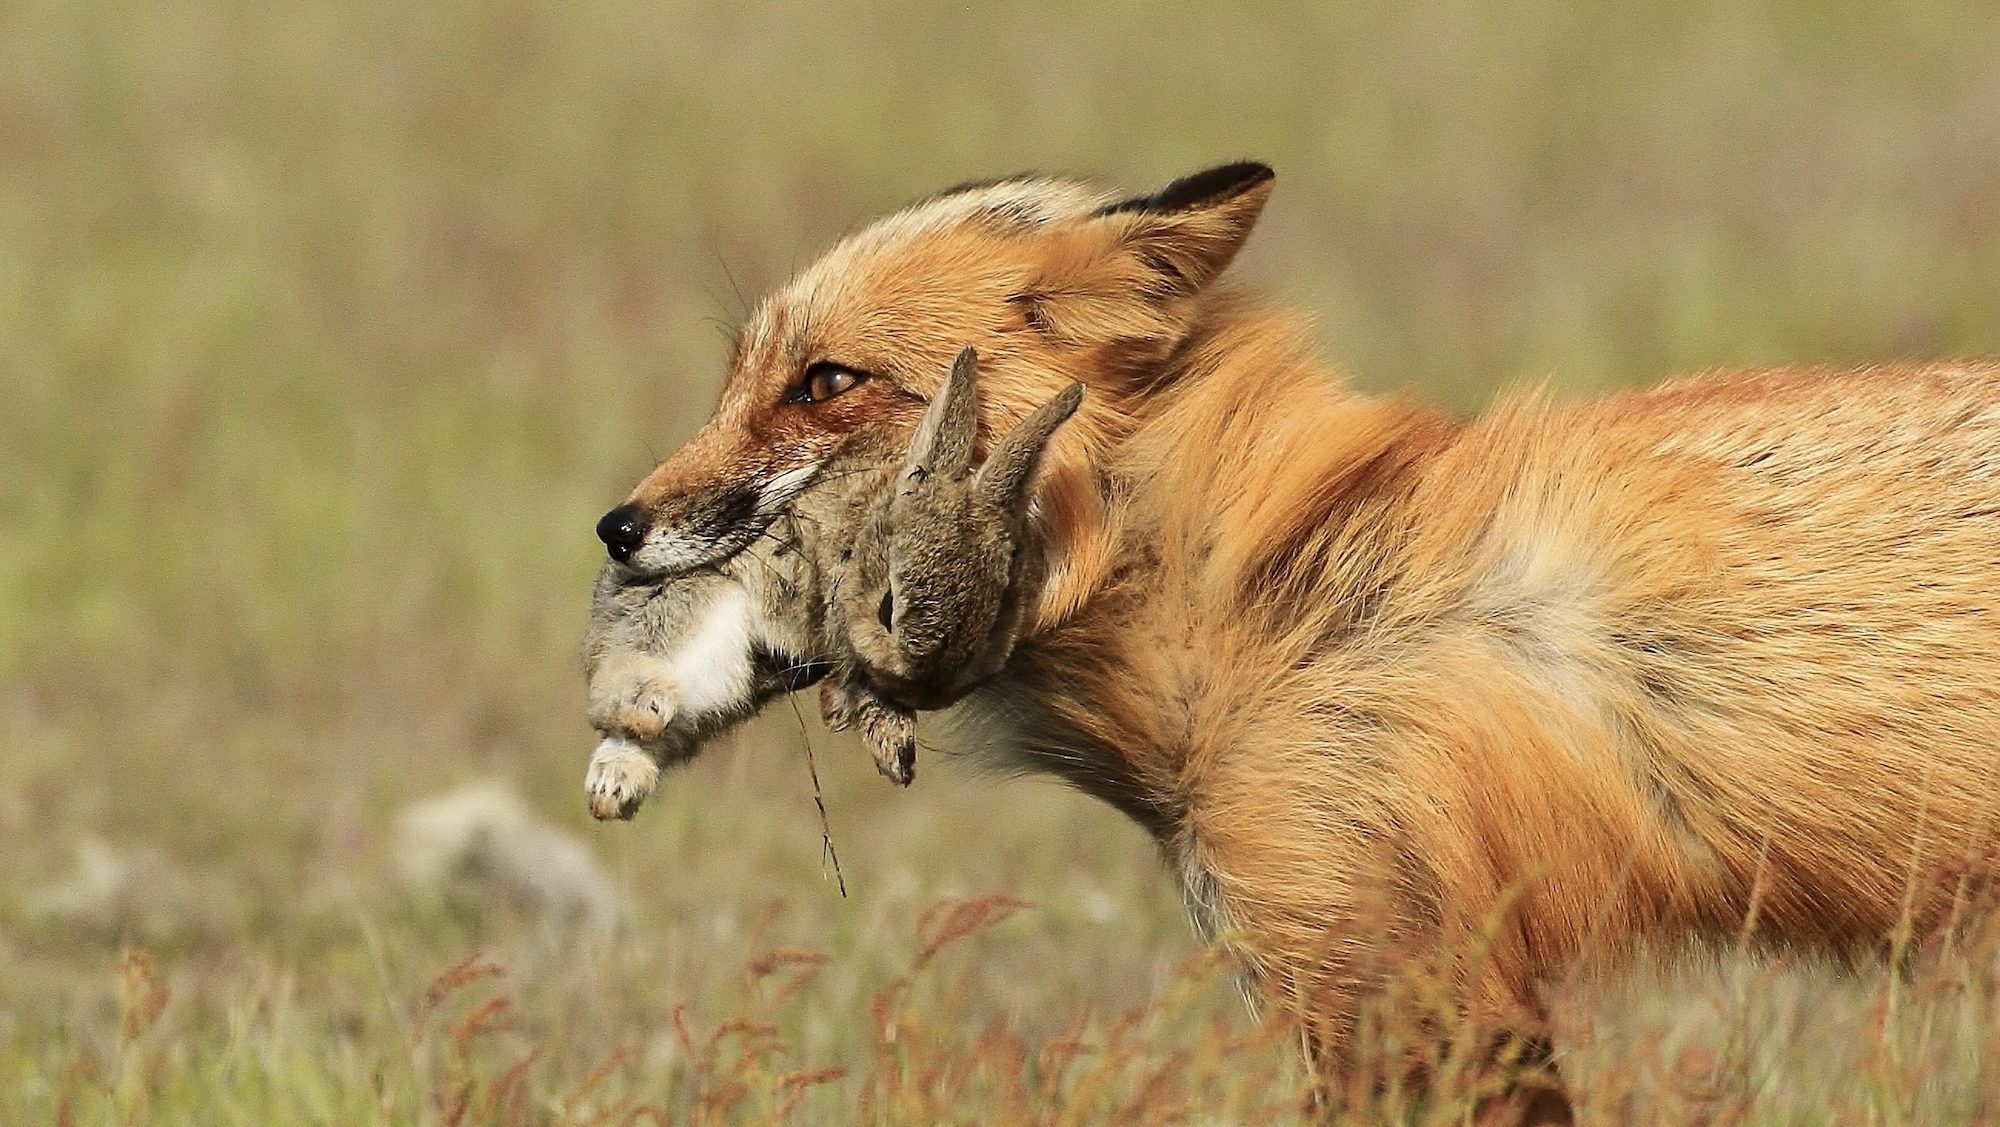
x: 483, y: 840
x: 129, y: 893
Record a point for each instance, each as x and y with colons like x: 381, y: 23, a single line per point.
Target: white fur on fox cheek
x: 712, y: 666
x: 783, y: 486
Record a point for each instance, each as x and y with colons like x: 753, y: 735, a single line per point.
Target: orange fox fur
x: 1715, y: 656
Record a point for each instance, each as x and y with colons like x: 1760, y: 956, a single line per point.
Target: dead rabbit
x: 900, y: 587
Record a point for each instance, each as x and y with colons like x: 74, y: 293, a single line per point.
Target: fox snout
x: 685, y: 532
x: 670, y: 534
x: 622, y: 529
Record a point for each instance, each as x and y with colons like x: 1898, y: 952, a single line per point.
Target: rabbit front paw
x: 633, y: 698
x: 620, y: 777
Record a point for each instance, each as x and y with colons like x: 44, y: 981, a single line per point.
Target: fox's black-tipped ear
x: 1209, y: 186
x: 1189, y: 231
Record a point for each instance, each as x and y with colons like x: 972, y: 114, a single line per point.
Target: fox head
x: 1053, y: 282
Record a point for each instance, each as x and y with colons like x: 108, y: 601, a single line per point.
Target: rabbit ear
x: 943, y: 442
x: 1005, y: 476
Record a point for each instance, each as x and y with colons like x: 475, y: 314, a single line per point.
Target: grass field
x: 328, y: 329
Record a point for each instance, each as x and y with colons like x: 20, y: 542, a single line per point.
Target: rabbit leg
x: 889, y: 730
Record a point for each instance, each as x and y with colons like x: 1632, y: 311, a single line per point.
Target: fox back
x: 1718, y: 657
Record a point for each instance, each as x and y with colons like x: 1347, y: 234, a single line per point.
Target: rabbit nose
x: 622, y: 530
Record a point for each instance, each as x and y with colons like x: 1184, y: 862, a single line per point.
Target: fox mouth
x: 670, y: 553
x: 731, y: 520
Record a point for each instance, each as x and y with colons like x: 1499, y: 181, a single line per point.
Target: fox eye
x: 825, y: 380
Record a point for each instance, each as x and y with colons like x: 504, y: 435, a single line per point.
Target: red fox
x: 1721, y: 657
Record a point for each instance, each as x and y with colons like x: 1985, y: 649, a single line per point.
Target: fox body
x: 1716, y: 658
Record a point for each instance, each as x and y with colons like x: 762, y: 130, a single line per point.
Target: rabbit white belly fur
x: 695, y: 672
x: 712, y: 669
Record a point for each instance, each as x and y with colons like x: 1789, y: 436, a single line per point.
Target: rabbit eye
x: 886, y: 613
x: 823, y: 381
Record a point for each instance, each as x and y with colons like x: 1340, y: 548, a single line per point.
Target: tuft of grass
x: 466, y: 1058
x: 461, y: 1048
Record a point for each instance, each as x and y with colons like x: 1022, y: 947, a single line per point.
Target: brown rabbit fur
x: 943, y: 551
x: 1713, y: 658
x: 671, y: 663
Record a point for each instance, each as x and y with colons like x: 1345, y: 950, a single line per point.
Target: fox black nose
x: 622, y: 529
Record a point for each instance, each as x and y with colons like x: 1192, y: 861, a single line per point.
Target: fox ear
x: 943, y: 442
x: 1189, y: 231
x: 1008, y: 470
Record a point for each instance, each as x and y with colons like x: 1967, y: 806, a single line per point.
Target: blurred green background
x: 327, y: 329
